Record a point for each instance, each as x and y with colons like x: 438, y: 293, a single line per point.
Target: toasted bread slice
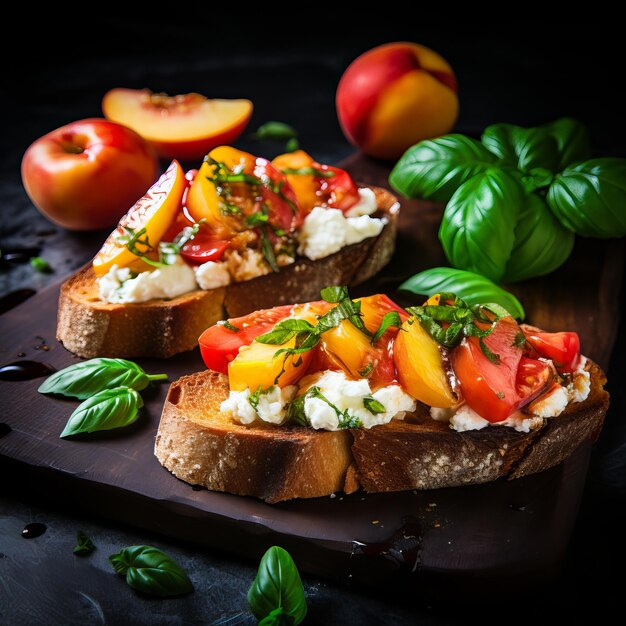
x: 161, y: 328
x: 200, y: 445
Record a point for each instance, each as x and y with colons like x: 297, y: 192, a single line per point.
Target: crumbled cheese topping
x: 212, y: 274
x: 247, y: 264
x: 326, y: 231
x: 121, y: 285
x: 366, y: 204
x: 270, y: 405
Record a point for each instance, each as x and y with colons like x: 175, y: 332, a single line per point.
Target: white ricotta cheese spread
x: 212, y: 274
x: 326, y: 231
x: 365, y: 206
x: 120, y: 285
x: 269, y: 405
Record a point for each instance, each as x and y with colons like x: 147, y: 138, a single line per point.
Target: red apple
x: 86, y: 175
x: 178, y: 127
x: 394, y: 96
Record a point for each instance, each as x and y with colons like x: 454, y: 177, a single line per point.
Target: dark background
x: 524, y: 74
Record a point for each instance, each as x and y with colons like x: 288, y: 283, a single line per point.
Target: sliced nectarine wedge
x: 150, y: 215
x: 182, y: 127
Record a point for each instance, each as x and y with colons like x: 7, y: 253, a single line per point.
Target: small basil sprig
x: 84, y: 545
x: 83, y: 379
x: 151, y: 571
x: 473, y: 288
x: 278, y: 131
x: 515, y: 198
x: 105, y: 410
x: 454, y: 319
x: 277, y: 596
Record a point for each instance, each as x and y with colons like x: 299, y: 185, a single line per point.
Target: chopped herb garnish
x: 367, y: 370
x: 306, y: 335
x: 40, y: 264
x: 255, y: 396
x: 230, y: 326
x: 390, y: 319
x: 344, y: 419
x: 500, y: 395
x: 84, y: 545
x: 292, y: 145
x: 520, y: 340
x: 449, y: 324
x: 308, y: 171
x: 268, y: 250
x: 373, y: 406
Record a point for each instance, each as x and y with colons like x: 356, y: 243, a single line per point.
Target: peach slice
x: 182, y: 127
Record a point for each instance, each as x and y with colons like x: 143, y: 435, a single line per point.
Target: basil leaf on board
x: 541, y: 243
x: 277, y: 617
x: 572, y: 140
x: 151, y: 571
x: 82, y: 380
x: 435, y: 168
x: 277, y: 585
x: 473, y: 288
x: 84, y: 545
x: 524, y: 148
x: 105, y: 410
x: 275, y: 131
x: 589, y: 198
x: 477, y: 231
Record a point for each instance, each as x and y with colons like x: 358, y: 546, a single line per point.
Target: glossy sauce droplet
x: 34, y: 529
x: 5, y: 429
x: 24, y: 370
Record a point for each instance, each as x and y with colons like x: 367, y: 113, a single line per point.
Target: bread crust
x: 161, y: 328
x: 200, y: 445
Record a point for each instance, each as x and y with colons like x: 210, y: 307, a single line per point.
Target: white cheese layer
x: 326, y: 231
x: 212, y: 274
x: 365, y: 206
x: 120, y: 285
x: 271, y: 405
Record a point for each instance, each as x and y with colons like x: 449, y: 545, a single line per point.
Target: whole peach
x: 394, y: 96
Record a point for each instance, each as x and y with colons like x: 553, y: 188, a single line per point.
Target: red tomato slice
x: 490, y: 388
x: 532, y: 378
x: 341, y: 191
x: 204, y: 247
x: 284, y: 212
x: 495, y: 390
x: 563, y: 348
x: 220, y: 345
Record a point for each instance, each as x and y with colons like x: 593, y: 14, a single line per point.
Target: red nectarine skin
x: 86, y: 175
x: 393, y: 96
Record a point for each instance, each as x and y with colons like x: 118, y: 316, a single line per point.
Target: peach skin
x: 394, y: 96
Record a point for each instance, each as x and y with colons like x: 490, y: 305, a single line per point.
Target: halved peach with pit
x: 182, y: 127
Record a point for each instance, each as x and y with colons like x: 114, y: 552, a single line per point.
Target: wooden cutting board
x: 504, y: 532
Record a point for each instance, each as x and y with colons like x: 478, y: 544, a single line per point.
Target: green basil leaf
x: 373, y: 405
x: 296, y: 413
x: 275, y: 131
x: 84, y: 545
x: 41, y: 265
x: 572, y: 140
x: 277, y: 585
x: 389, y: 319
x: 541, y: 243
x: 82, y: 380
x: 473, y: 288
x: 524, y: 148
x: 334, y: 294
x: 477, y: 231
x: 435, y: 168
x: 149, y: 570
x: 589, y: 198
x: 500, y: 140
x: 278, y: 617
x: 105, y: 410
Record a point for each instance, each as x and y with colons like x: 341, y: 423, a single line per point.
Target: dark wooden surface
x: 404, y: 540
